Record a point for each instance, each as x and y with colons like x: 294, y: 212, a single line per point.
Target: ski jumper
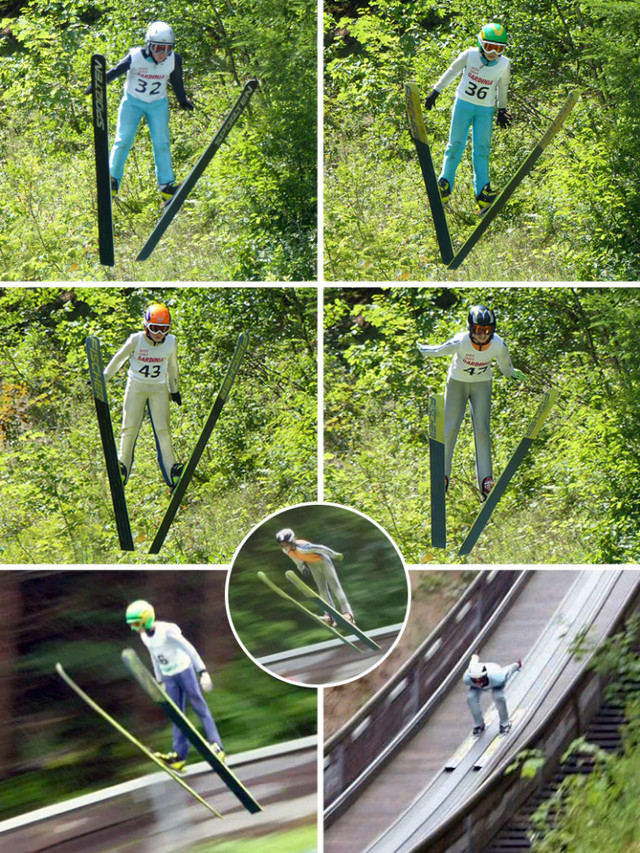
x: 317, y: 560
x: 469, y: 379
x: 153, y: 375
x: 484, y: 83
x: 145, y: 95
x: 497, y: 678
x: 176, y: 664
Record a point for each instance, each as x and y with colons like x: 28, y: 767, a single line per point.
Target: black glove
x: 89, y: 89
x: 504, y: 118
x: 430, y: 100
x: 176, y: 398
x: 305, y: 571
x: 186, y: 104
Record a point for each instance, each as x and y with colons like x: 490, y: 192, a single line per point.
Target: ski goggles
x: 159, y: 328
x: 493, y: 46
x: 135, y: 624
x: 161, y: 48
x: 482, y: 330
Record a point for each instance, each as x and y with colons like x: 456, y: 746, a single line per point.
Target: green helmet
x: 494, y: 33
x: 140, y: 616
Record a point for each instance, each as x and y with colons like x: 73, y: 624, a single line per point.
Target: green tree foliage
x: 575, y: 217
x: 253, y: 215
x: 575, y: 497
x: 54, y: 501
x: 56, y: 747
x: 598, y: 810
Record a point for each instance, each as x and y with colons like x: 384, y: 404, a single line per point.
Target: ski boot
x: 176, y: 473
x: 171, y: 760
x: 505, y: 728
x: 445, y: 189
x: 330, y: 621
x: 485, y: 198
x: 124, y: 473
x: 477, y: 730
x: 487, y: 484
x: 349, y: 618
x: 168, y: 191
x: 114, y: 187
x: 219, y: 752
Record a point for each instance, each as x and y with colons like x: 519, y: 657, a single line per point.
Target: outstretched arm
x: 125, y: 352
x: 447, y: 348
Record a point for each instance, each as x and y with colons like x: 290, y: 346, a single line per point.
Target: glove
x: 430, y: 100
x: 518, y: 374
x: 176, y: 398
x: 205, y: 681
x: 504, y: 118
x: 187, y: 104
x: 305, y: 571
x: 338, y: 557
x: 519, y: 662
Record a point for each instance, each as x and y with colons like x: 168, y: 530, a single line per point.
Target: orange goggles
x: 493, y: 46
x: 482, y: 330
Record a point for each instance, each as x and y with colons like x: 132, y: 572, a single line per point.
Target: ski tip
x: 252, y: 84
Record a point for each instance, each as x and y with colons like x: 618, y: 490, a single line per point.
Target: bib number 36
x: 475, y: 91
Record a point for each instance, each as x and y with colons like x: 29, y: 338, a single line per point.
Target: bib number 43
x: 150, y: 371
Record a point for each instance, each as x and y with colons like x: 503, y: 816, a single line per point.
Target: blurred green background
x: 52, y: 746
x: 372, y: 575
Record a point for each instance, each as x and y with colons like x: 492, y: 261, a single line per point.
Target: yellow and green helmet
x: 140, y: 616
x: 493, y: 34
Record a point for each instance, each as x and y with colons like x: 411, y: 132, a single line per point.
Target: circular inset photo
x: 318, y: 594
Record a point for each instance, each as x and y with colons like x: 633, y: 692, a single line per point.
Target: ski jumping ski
x: 174, y: 205
x: 497, y: 740
x: 159, y: 696
x: 101, y: 145
x: 436, y: 461
x: 127, y: 734
x: 272, y: 586
x: 533, y: 430
x: 419, y: 136
x: 99, y: 389
x: 190, y: 467
x: 525, y: 167
x: 300, y: 585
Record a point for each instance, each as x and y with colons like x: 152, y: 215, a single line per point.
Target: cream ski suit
x: 153, y: 375
x: 469, y: 379
x: 317, y: 560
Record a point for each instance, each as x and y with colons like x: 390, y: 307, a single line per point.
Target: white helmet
x: 477, y: 669
x: 285, y: 535
x: 159, y: 33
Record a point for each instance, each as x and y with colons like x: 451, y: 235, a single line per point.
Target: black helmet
x: 480, y: 315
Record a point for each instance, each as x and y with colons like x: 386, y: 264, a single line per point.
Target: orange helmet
x: 157, y: 318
